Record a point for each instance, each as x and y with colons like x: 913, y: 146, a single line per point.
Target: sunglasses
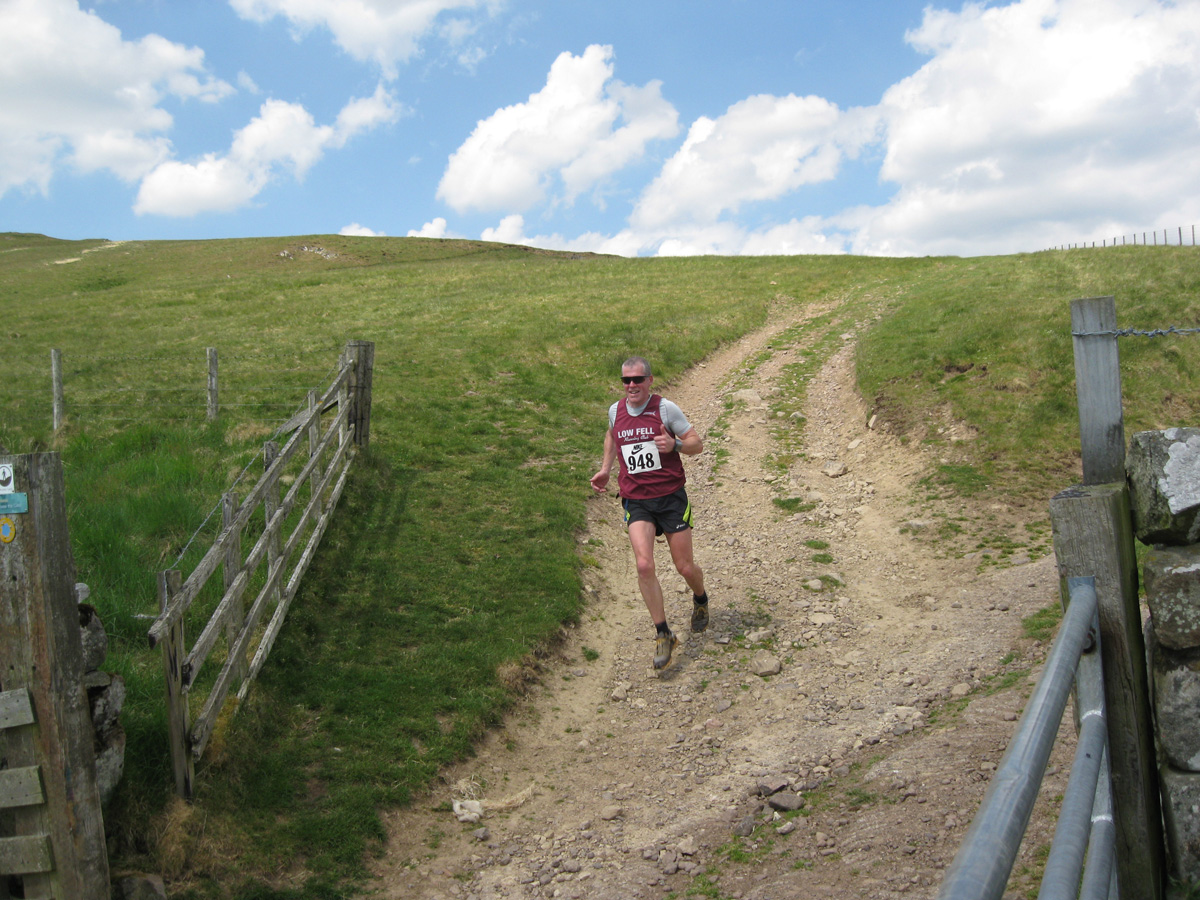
x: 633, y: 379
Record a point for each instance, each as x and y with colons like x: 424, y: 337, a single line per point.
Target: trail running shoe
x: 699, y: 617
x: 664, y: 646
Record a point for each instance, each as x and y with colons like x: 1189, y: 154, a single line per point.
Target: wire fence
x: 1182, y: 235
x: 80, y: 390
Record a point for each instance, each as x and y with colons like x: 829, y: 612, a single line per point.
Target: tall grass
x: 453, y: 554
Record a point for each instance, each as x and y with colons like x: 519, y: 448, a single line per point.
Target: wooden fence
x: 51, y: 826
x: 286, y: 539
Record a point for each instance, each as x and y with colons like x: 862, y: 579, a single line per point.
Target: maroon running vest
x: 645, y: 473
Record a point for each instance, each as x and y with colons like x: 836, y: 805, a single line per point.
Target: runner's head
x: 636, y: 378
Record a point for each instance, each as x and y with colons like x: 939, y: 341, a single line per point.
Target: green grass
x: 1042, y: 624
x: 454, y: 555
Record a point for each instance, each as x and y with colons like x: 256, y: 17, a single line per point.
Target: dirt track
x: 613, y: 781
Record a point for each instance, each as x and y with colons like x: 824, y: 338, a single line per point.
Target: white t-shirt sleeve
x: 673, y: 417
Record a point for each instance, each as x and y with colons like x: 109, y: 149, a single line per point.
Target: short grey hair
x: 637, y: 361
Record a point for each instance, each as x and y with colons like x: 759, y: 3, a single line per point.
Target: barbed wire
x: 1135, y: 332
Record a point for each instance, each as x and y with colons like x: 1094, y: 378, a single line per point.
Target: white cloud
x: 1039, y: 119
x: 511, y: 230
x: 762, y: 148
x: 387, y: 32
x: 721, y: 239
x: 75, y: 92
x: 283, y: 138
x: 356, y: 230
x: 433, y: 229
x: 563, y: 141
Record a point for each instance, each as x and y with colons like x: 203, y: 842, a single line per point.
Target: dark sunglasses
x: 633, y: 379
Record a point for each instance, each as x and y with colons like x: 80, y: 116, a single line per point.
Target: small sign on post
x: 58, y: 846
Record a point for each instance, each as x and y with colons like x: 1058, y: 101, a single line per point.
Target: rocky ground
x: 830, y: 734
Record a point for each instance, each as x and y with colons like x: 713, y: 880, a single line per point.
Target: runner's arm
x: 600, y: 479
x: 690, y: 443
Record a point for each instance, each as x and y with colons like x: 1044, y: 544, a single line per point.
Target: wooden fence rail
x: 284, y: 538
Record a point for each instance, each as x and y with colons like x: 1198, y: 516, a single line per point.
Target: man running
x: 647, y: 434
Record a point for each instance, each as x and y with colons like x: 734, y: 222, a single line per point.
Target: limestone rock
x: 1172, y: 579
x: 1175, y: 684
x: 770, y: 785
x: 95, y: 640
x: 786, y: 801
x: 748, y: 396
x: 1181, y: 795
x: 765, y: 663
x: 138, y: 887
x: 1164, y: 480
x: 110, y: 764
x: 835, y: 469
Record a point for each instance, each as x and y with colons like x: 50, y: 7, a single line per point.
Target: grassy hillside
x: 453, y: 555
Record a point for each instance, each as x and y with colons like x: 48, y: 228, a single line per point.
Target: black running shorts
x: 669, y: 514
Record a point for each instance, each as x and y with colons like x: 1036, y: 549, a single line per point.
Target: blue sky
x: 667, y: 127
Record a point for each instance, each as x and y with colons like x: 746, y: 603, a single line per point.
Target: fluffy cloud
x: 76, y: 92
x: 563, y: 141
x: 1033, y: 120
x: 282, y: 139
x: 433, y: 229
x: 1029, y: 121
x: 387, y: 32
x: 356, y: 230
x: 762, y: 148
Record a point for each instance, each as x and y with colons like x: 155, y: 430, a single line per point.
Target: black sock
x: 700, y: 599
x: 662, y: 628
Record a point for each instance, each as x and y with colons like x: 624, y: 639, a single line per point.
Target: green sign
x: 14, y: 503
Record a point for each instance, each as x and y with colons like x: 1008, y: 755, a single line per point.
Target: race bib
x: 641, y: 457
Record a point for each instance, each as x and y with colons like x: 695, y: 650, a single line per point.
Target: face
x: 636, y: 394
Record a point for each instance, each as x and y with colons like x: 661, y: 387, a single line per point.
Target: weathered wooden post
x: 174, y: 651
x: 1093, y: 536
x: 213, y: 401
x: 231, y: 565
x: 1098, y: 389
x: 314, y: 441
x: 362, y: 354
x: 49, y: 787
x: 56, y: 387
x: 270, y: 506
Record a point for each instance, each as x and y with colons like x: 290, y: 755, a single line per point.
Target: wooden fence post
x: 230, y: 567
x: 1098, y: 389
x: 362, y: 353
x: 270, y: 505
x: 174, y: 652
x: 56, y: 387
x: 213, y: 402
x: 59, y: 844
x: 1093, y: 535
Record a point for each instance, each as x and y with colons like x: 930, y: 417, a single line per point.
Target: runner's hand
x: 600, y: 482
x: 665, y: 441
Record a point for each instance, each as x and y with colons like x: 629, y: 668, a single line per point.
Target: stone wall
x: 106, y: 696
x: 1164, y: 479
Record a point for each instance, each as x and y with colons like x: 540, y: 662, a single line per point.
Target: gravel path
x: 849, y: 672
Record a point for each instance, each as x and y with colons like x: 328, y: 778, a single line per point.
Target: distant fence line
x: 170, y: 387
x: 1149, y: 239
